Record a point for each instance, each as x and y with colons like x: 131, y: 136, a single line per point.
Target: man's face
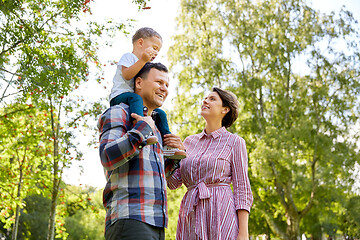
x: 154, y: 89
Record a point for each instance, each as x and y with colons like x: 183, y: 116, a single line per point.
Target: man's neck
x: 149, y: 110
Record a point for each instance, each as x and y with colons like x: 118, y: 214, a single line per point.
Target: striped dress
x: 208, y: 209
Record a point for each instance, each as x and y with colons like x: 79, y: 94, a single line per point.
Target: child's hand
x: 149, y: 54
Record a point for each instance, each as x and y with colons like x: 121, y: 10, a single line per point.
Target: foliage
x: 296, y: 74
x: 47, y: 51
x: 81, y: 208
x: 24, y: 157
x: 350, y: 218
x: 34, y: 219
x: 174, y: 201
x: 85, y: 214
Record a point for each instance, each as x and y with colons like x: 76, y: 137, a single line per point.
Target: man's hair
x: 148, y: 66
x: 228, y: 100
x: 144, y: 33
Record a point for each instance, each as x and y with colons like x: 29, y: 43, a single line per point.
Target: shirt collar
x: 145, y: 111
x: 213, y: 134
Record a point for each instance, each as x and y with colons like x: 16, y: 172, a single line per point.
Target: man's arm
x: 117, y: 145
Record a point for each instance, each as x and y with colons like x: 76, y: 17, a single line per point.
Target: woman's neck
x: 212, y: 126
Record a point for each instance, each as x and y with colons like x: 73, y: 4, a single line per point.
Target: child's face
x: 154, y: 43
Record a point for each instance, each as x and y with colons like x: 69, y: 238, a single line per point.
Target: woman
x: 215, y: 159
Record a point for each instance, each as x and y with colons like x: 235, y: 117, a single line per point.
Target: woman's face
x: 212, y: 107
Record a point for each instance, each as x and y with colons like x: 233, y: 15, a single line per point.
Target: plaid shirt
x: 135, y: 172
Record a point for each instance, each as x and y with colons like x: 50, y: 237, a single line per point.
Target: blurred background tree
x: 296, y: 74
x: 294, y: 70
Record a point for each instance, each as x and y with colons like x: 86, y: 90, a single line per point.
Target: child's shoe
x: 151, y: 140
x: 173, y: 153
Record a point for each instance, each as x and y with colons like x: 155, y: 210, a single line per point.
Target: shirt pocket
x: 221, y: 164
x: 225, y: 154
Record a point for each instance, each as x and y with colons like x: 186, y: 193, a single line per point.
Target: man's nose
x: 164, y: 87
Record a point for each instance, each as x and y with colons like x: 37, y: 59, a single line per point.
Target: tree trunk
x: 56, y: 177
x: 16, y: 225
x: 293, y: 228
x: 54, y: 194
x: 51, y: 225
x: 18, y: 195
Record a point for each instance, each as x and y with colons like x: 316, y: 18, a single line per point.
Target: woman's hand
x: 173, y: 140
x: 242, y: 237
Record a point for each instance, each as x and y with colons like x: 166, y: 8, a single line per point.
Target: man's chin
x: 159, y: 102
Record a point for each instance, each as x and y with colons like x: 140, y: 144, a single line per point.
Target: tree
x: 24, y: 157
x: 84, y: 213
x: 174, y: 200
x: 351, y: 219
x: 296, y: 73
x: 46, y: 54
x: 35, y: 217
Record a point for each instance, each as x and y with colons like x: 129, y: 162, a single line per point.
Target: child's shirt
x: 120, y: 85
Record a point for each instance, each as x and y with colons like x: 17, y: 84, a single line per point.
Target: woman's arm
x: 243, y: 217
x: 174, y: 181
x: 242, y: 189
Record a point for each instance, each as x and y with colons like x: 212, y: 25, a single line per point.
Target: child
x: 146, y: 45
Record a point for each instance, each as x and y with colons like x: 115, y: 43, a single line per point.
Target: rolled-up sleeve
x: 242, y: 190
x: 117, y: 144
x: 174, y: 181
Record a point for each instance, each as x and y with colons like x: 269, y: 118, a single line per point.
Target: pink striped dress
x: 208, y: 209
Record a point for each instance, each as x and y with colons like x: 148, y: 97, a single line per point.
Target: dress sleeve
x: 239, y: 170
x: 175, y: 180
x: 117, y: 145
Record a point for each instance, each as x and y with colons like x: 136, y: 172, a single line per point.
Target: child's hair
x: 144, y: 33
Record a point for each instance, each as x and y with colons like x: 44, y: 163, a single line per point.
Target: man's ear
x: 138, y: 83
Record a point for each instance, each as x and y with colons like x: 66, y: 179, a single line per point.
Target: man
x: 135, y: 193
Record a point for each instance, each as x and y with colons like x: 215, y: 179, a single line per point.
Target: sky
x: 160, y: 17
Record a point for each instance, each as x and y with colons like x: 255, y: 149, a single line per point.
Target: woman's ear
x: 225, y: 110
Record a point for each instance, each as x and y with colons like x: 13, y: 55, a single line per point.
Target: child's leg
x: 136, y: 105
x: 161, y: 122
x: 134, y: 101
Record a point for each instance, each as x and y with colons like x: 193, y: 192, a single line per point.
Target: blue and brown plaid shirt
x: 135, y: 172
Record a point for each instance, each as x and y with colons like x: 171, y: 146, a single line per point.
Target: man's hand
x: 147, y: 119
x: 172, y: 140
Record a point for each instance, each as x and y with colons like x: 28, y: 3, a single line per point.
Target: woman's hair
x: 228, y: 100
